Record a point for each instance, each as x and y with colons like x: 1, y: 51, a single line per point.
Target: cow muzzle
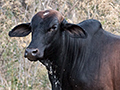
x: 32, y: 54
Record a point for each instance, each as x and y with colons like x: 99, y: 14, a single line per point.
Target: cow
x: 79, y: 56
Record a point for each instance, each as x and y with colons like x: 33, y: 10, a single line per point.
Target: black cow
x: 77, y: 56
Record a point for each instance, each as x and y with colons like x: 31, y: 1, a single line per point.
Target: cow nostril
x: 34, y: 52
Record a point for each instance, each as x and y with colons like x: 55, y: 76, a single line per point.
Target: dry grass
x: 16, y: 72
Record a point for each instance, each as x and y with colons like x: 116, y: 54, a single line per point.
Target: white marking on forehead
x: 46, y: 13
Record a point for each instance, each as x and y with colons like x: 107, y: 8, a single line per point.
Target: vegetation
x: 16, y: 72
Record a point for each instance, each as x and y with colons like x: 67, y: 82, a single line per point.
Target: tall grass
x: 16, y: 72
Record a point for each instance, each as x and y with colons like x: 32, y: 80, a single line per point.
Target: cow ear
x: 75, y: 30
x: 20, y: 30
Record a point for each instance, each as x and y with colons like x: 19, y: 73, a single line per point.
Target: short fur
x: 77, y: 56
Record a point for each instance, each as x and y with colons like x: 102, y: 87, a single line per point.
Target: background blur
x: 16, y: 72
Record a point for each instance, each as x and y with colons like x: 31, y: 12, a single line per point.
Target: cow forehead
x: 50, y: 13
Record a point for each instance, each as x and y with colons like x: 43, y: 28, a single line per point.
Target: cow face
x: 45, y: 28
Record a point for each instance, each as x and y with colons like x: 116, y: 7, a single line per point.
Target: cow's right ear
x: 20, y: 30
x: 74, y: 30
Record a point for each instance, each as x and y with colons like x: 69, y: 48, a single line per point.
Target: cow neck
x: 60, y: 61
x: 75, y: 52
x: 72, y: 49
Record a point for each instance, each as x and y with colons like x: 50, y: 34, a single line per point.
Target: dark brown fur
x: 77, y: 56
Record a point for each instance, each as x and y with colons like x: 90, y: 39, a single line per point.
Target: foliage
x: 16, y: 72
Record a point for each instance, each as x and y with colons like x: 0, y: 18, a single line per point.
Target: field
x: 16, y: 72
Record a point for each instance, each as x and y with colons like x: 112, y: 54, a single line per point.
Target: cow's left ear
x: 75, y: 30
x: 20, y: 30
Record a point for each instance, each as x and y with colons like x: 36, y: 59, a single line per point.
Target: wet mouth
x: 35, y: 58
x: 32, y: 59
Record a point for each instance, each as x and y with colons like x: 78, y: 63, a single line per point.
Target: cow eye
x: 53, y: 28
x: 50, y: 30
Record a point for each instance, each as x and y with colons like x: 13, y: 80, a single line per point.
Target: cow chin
x: 35, y: 58
x: 32, y: 59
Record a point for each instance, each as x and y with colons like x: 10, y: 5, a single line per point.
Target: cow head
x: 46, y: 27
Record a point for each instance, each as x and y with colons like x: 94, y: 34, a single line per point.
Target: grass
x: 16, y: 72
